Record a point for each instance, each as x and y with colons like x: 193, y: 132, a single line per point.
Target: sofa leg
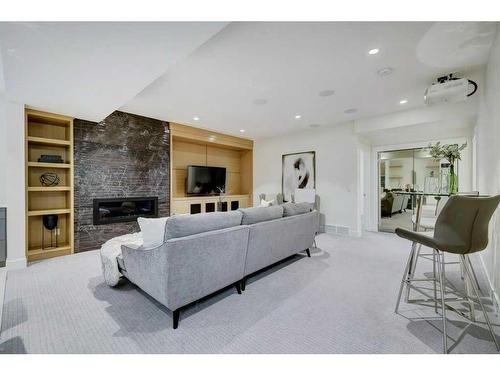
x: 238, y: 287
x: 243, y: 283
x: 177, y: 314
x: 308, y: 253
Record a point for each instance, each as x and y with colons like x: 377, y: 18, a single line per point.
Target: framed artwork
x: 298, y: 172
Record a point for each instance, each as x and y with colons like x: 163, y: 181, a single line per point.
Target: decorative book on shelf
x: 49, y: 185
x: 50, y: 159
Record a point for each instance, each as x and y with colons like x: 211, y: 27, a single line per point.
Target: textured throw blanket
x: 110, y: 250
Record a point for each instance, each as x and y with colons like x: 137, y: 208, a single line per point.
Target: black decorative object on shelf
x: 50, y: 159
x: 49, y: 222
x: 49, y: 179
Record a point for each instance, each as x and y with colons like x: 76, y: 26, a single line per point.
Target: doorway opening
x: 401, y: 171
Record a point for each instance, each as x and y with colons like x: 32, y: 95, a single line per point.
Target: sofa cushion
x: 257, y: 214
x: 187, y: 225
x: 292, y: 209
x: 153, y: 231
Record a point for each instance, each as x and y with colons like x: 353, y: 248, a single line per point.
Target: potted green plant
x: 451, y: 153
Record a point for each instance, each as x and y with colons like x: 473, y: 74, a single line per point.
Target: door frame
x: 374, y: 195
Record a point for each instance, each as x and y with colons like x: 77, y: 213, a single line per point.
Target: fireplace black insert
x: 118, y: 210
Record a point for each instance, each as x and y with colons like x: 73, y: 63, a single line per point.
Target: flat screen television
x: 205, y: 180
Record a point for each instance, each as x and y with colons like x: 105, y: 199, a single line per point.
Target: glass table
x: 419, y: 198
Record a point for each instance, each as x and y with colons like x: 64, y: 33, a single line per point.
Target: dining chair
x: 428, y: 223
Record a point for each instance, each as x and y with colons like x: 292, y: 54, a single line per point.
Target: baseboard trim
x: 15, y: 264
x: 492, y: 294
x: 340, y: 230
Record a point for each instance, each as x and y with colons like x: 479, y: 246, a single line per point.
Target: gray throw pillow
x: 257, y: 214
x: 292, y: 209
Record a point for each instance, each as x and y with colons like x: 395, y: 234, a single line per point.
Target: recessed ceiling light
x: 196, y: 118
x: 373, y: 51
x: 325, y: 93
x: 351, y: 110
x: 385, y: 71
x: 260, y: 101
x: 212, y: 138
x: 297, y: 117
x: 404, y: 101
x: 242, y: 130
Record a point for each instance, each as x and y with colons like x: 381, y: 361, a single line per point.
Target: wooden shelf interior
x: 34, y: 174
x: 55, y: 211
x: 49, y: 134
x: 35, y: 254
x: 192, y: 146
x: 236, y: 162
x: 48, y: 165
x: 43, y: 200
x: 48, y: 141
x: 43, y: 126
x: 49, y: 188
x: 35, y: 224
x: 35, y: 150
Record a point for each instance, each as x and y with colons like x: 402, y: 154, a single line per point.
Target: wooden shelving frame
x: 47, y: 133
x: 194, y: 146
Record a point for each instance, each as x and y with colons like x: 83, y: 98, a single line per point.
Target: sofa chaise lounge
x: 204, y: 253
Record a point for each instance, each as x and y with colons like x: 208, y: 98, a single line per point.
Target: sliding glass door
x: 402, y: 170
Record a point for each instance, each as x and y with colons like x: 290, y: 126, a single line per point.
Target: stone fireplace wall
x: 124, y: 155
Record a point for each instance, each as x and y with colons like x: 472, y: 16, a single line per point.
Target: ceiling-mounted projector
x: 449, y: 89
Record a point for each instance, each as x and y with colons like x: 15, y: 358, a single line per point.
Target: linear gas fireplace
x: 117, y: 210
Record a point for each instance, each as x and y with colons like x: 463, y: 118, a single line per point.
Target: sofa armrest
x: 147, y: 268
x: 131, y: 247
x: 203, y: 263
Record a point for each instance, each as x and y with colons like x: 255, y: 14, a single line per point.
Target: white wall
x: 488, y: 158
x: 414, y: 128
x: 12, y: 193
x: 337, y: 166
x: 346, y: 157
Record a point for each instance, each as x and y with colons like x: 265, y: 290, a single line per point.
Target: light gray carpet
x: 397, y: 220
x: 339, y: 301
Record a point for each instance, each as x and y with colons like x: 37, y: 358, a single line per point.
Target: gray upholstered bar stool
x: 461, y: 228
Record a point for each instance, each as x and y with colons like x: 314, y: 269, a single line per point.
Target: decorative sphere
x: 49, y: 179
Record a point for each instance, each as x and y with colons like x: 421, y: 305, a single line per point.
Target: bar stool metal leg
x: 413, y: 265
x: 473, y: 273
x: 435, y: 280
x: 467, y: 283
x: 443, y: 303
x: 466, y: 263
x: 406, y: 276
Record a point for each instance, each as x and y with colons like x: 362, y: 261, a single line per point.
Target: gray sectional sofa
x: 204, y: 253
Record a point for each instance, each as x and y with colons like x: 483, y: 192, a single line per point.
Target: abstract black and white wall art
x: 298, y: 172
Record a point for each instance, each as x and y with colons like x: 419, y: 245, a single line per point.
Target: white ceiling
x: 88, y: 70
x: 216, y: 71
x: 288, y: 64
